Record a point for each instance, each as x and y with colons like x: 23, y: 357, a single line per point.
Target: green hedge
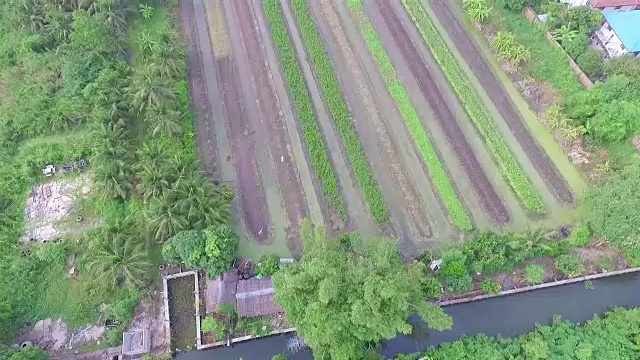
x: 334, y: 99
x: 509, y: 166
x: 457, y: 213
x: 302, y: 103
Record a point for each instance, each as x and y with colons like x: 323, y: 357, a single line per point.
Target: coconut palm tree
x: 161, y: 120
x: 149, y: 89
x: 118, y: 259
x: 163, y: 219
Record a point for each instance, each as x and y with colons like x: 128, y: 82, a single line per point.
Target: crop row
x: 334, y: 98
x: 457, y: 213
x: 302, y: 103
x: 510, y: 168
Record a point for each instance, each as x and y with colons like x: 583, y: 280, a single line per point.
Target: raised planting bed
x: 511, y: 170
x: 334, y: 99
x: 181, y: 302
x: 457, y: 214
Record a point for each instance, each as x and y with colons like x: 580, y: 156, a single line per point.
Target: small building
x: 620, y: 33
x: 608, y: 6
x: 251, y: 298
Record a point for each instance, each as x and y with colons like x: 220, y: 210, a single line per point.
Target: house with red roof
x: 615, y: 5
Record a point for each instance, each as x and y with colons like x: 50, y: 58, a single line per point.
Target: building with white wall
x: 620, y: 33
x: 607, y: 6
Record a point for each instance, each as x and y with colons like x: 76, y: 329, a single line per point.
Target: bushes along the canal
x: 614, y: 337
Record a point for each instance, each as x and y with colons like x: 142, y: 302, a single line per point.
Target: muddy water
x: 507, y: 316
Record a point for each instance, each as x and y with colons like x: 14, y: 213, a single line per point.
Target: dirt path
x: 358, y: 215
x: 205, y: 135
x: 501, y: 99
x: 380, y: 147
x: 249, y: 192
x: 270, y: 112
x: 489, y: 199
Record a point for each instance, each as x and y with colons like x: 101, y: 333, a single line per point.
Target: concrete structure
x: 608, y: 6
x: 620, y: 33
x: 575, y: 2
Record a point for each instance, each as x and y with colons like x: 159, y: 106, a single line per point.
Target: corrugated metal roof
x: 610, y: 3
x: 626, y: 24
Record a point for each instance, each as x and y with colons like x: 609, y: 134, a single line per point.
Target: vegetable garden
x: 342, y: 161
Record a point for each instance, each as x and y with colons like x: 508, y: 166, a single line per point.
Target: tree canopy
x: 211, y: 250
x: 343, y: 299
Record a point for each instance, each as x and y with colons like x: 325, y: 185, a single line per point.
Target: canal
x: 508, y: 316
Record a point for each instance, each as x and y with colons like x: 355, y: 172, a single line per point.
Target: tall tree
x: 341, y: 300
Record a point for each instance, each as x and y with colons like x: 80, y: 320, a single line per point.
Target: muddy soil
x: 271, y: 113
x: 488, y: 198
x: 499, y: 96
x: 199, y: 97
x: 401, y: 193
x: 249, y: 191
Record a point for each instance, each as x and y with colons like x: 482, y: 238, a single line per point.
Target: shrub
x: 605, y: 263
x: 456, y: 277
x: 576, y: 46
x: 255, y: 326
x: 580, y: 237
x: 268, y: 264
x: 570, y: 265
x: 591, y: 62
x: 514, y: 5
x: 490, y: 286
x: 534, y: 274
x: 211, y: 325
x: 431, y: 287
x: 279, y: 357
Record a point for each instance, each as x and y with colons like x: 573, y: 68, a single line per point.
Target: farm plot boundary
x: 511, y: 170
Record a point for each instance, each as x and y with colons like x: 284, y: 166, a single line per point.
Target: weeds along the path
x: 457, y: 213
x: 334, y: 98
x: 302, y: 103
x: 511, y: 170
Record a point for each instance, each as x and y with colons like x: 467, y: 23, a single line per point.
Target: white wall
x: 611, y: 9
x: 610, y: 41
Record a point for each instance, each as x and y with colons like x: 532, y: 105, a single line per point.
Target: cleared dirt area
x: 271, y: 113
x: 380, y: 147
x: 489, y: 200
x: 501, y: 99
x: 249, y: 192
x: 205, y: 136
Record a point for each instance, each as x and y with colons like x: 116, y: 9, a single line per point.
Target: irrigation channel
x: 507, y: 316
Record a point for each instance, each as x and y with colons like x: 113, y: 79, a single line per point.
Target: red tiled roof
x: 609, y: 3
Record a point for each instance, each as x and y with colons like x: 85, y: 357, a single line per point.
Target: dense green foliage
x: 334, y: 98
x: 457, y: 213
x: 27, y: 353
x: 341, y: 300
x: 476, y: 110
x: 591, y: 62
x: 611, y: 210
x: 268, y: 265
x: 570, y: 265
x: 534, y: 274
x: 95, y: 80
x: 211, y: 325
x: 509, y: 48
x: 303, y: 105
x: 211, y: 250
x: 608, y: 113
x: 615, y: 336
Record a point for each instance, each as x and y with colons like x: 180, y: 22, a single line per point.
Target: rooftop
x: 251, y: 298
x: 627, y: 26
x: 610, y: 3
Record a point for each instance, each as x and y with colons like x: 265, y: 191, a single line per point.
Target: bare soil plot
x: 380, y: 147
x: 200, y: 105
x: 499, y: 96
x: 489, y: 200
x: 249, y: 191
x: 271, y: 113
